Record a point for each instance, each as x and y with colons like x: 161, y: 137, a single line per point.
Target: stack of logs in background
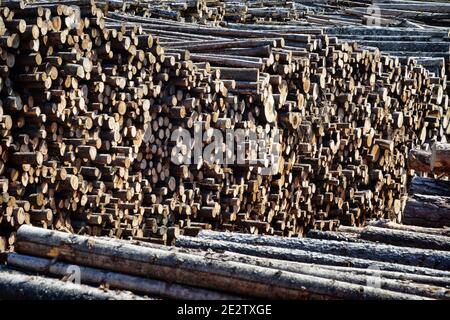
x: 90, y: 98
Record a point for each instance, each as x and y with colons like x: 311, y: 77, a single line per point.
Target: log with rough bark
x: 378, y: 252
x: 296, y: 255
x: 297, y: 267
x: 383, y: 223
x: 190, y: 269
x: 18, y: 286
x: 338, y: 236
x: 114, y: 280
x: 427, y: 211
x: 406, y: 238
x: 429, y: 186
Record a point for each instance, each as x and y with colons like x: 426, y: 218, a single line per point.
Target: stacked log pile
x: 90, y: 104
x: 16, y: 285
x: 199, y: 11
x: 244, y: 270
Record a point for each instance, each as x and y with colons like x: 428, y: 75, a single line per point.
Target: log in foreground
x: 427, y: 211
x: 115, y: 280
x: 406, y: 238
x: 296, y: 255
x: 298, y: 267
x: 18, y: 286
x: 430, y: 186
x: 189, y: 269
x: 377, y: 252
x: 384, y: 223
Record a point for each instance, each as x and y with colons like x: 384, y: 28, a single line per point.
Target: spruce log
x: 189, y: 269
x: 18, y: 286
x: 378, y: 252
x: 115, y: 280
x: 440, y: 157
x: 429, y: 186
x: 406, y: 238
x: 297, y: 255
x: 329, y: 235
x: 384, y: 223
x: 427, y: 211
x: 438, y: 281
x: 437, y: 160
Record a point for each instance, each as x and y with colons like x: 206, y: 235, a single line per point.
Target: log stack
x: 243, y: 266
x: 92, y: 99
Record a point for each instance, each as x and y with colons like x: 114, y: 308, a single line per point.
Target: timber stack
x: 92, y: 99
x: 409, y: 264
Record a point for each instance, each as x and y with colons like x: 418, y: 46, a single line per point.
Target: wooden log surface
x: 115, y: 280
x: 406, y: 238
x: 297, y: 255
x: 18, y: 286
x: 248, y: 280
x: 427, y: 211
x: 396, y: 226
x: 408, y: 256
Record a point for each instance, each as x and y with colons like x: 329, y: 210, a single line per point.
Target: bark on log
x: 427, y: 211
x: 378, y: 252
x: 337, y: 236
x: 406, y: 238
x: 440, y: 281
x: 383, y: 223
x: 437, y: 160
x: 440, y: 157
x: 189, y: 269
x: 19, y: 286
x: 116, y: 280
x: 429, y: 186
x: 297, y: 255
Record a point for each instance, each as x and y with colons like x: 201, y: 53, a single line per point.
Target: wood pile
x: 90, y: 104
x: 244, y: 270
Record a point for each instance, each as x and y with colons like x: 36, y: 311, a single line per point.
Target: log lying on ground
x: 430, y: 186
x: 378, y: 252
x: 115, y: 280
x: 18, y: 286
x: 406, y: 238
x: 384, y: 223
x: 189, y: 269
x: 399, y: 282
x: 338, y: 236
x: 297, y: 267
x: 427, y: 211
x: 296, y: 255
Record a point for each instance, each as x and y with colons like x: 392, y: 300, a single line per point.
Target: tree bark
x: 427, y: 211
x: 338, y: 236
x: 383, y: 223
x: 406, y: 238
x: 440, y: 157
x: 189, y: 269
x: 378, y: 252
x: 429, y: 186
x: 297, y: 255
x: 18, y: 286
x: 116, y: 280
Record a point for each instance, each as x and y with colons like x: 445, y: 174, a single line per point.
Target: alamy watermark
x: 253, y: 147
